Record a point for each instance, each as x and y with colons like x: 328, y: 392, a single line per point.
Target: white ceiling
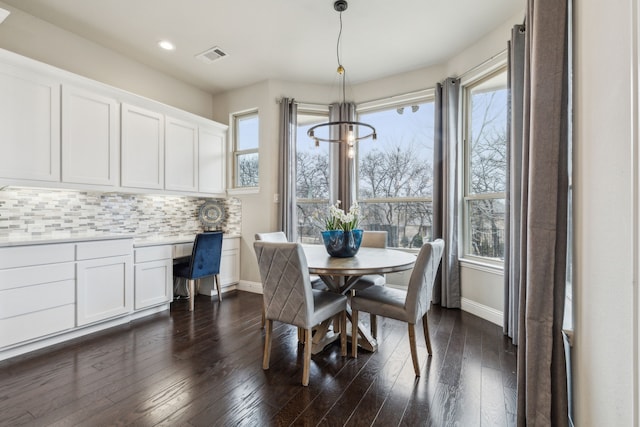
x: 290, y: 40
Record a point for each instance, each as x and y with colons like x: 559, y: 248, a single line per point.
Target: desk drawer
x: 182, y: 250
x: 104, y: 249
x: 152, y: 253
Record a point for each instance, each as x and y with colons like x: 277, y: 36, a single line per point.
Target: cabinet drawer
x: 23, y: 256
x: 229, y: 243
x: 29, y: 299
x: 152, y: 253
x: 104, y: 248
x: 27, y: 276
x: 33, y: 325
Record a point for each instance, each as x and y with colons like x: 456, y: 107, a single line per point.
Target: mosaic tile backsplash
x: 34, y: 212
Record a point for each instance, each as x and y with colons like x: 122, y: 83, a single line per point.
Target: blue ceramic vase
x: 342, y: 244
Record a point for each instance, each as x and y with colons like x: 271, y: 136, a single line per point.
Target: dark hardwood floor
x: 205, y: 368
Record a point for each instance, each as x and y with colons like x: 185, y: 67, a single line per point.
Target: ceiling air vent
x: 210, y: 55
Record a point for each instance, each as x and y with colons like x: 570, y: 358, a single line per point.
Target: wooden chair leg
x: 267, y: 344
x: 301, y: 335
x: 192, y: 294
x: 343, y: 332
x: 425, y: 326
x: 216, y: 280
x: 374, y: 326
x: 354, y: 333
x: 414, y: 351
x: 307, y: 357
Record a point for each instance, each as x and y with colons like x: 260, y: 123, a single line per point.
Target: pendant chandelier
x: 349, y: 131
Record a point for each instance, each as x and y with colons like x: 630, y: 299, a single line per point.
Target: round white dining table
x: 340, y: 274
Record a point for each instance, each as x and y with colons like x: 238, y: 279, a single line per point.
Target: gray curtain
x: 287, y: 209
x: 446, y: 290
x: 542, y: 386
x: 513, y: 212
x: 344, y: 187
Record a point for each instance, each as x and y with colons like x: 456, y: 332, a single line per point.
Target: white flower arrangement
x: 339, y: 220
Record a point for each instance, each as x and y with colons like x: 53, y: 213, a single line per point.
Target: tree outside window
x: 246, y: 127
x: 485, y: 177
x: 395, y: 174
x: 312, y: 179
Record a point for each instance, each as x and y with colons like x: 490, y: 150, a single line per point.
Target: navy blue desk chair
x: 203, y: 262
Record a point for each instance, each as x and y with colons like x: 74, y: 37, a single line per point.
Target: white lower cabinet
x: 104, y: 283
x: 153, y: 276
x: 37, y: 292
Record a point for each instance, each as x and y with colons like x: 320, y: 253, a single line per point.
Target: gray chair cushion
x: 407, y: 306
x: 326, y: 304
x: 382, y: 301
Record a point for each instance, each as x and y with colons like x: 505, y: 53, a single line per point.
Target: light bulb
x: 351, y: 152
x: 350, y: 135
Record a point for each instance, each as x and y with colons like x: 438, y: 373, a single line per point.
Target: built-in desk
x: 182, y: 246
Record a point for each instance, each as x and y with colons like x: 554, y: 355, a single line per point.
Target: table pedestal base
x: 323, y: 336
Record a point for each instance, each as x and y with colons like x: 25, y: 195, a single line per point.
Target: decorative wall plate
x: 211, y: 214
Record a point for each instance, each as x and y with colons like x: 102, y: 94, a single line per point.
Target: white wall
x: 605, y: 307
x: 34, y: 38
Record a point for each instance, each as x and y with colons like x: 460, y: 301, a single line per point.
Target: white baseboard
x: 245, y: 285
x: 482, y: 311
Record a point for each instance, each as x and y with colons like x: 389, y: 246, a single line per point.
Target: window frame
x: 493, y: 69
x: 235, y: 120
x: 405, y: 100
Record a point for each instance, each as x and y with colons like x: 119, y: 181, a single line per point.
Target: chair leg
x: 414, y: 351
x: 425, y: 326
x: 354, y: 333
x: 192, y: 294
x: 307, y: 357
x: 267, y: 344
x: 263, y: 318
x: 374, y: 326
x: 216, y: 280
x: 343, y: 332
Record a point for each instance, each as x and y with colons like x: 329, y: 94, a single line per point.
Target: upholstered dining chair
x: 279, y: 236
x: 371, y: 239
x: 203, y: 262
x: 407, y: 306
x: 289, y: 298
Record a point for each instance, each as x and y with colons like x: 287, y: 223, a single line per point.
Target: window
x: 245, y: 131
x: 395, y: 173
x: 312, y: 180
x: 485, y: 106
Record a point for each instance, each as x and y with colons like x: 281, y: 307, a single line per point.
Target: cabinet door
x: 181, y: 155
x: 230, y: 261
x: 142, y: 158
x: 89, y: 138
x: 29, y: 125
x: 104, y: 288
x: 211, y: 160
x: 153, y: 283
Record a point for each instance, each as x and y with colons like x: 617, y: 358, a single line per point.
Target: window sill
x: 482, y: 266
x: 243, y: 191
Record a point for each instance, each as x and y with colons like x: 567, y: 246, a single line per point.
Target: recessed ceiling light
x: 3, y: 14
x: 166, y: 45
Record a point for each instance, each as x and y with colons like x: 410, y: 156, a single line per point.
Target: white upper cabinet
x: 181, y: 155
x: 30, y: 125
x: 142, y: 159
x: 90, y: 138
x: 211, y: 162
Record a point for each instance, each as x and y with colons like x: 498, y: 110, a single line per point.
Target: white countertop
x: 138, y: 241
x: 59, y: 238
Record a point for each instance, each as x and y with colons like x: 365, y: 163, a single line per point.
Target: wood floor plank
x: 182, y: 368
